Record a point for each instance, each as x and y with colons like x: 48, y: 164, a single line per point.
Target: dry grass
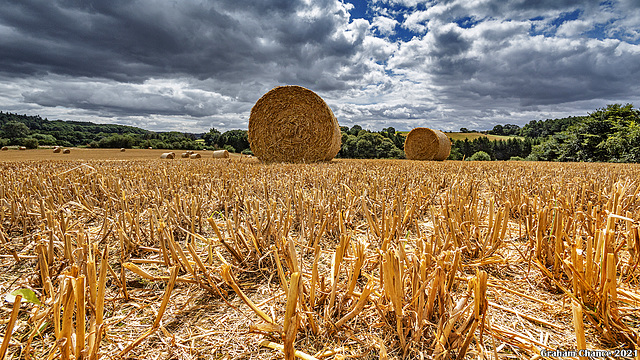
x: 233, y: 259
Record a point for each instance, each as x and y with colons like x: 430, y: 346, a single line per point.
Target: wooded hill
x: 609, y: 134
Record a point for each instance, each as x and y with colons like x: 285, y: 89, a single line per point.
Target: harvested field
x: 367, y: 259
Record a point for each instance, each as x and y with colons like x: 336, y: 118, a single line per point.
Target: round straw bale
x: 184, y: 155
x: 220, y: 154
x: 123, y: 150
x: 169, y: 155
x: 66, y: 151
x: 4, y: 148
x: 150, y: 148
x: 195, y: 156
x: 427, y: 144
x: 293, y: 124
x: 57, y: 149
x: 22, y: 148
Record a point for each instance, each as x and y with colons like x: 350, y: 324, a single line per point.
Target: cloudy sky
x: 192, y: 65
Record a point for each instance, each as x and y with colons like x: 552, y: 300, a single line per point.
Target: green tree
x: 480, y: 156
x: 212, y: 138
x: 15, y: 130
x: 30, y: 143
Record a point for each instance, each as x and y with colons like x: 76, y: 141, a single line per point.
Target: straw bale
x: 195, y: 156
x: 22, y: 148
x: 123, y: 150
x: 66, y: 151
x: 293, y: 124
x: 184, y: 155
x: 169, y: 155
x: 57, y: 149
x: 220, y: 154
x: 427, y: 144
x: 4, y: 148
x: 150, y: 148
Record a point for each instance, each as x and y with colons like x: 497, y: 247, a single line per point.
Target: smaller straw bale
x: 184, y: 155
x: 427, y: 144
x: 123, y: 150
x: 169, y: 155
x: 195, y: 156
x: 4, y: 148
x: 66, y: 151
x: 57, y: 149
x: 150, y: 148
x: 220, y: 154
x: 22, y: 148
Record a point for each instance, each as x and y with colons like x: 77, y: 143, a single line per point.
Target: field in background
x: 93, y: 154
x: 390, y: 259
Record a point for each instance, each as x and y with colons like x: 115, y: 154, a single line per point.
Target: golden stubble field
x: 365, y: 259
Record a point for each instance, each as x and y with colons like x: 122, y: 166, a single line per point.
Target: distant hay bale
x: 123, y: 150
x: 220, y: 154
x: 195, y: 156
x: 169, y: 155
x: 189, y: 152
x: 22, y: 148
x: 427, y: 144
x: 4, y: 148
x: 293, y: 124
x: 150, y: 148
x: 184, y: 155
x: 57, y: 149
x: 66, y: 151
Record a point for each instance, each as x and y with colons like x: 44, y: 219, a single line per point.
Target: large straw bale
x: 66, y: 151
x: 22, y: 148
x: 123, y: 150
x: 4, y: 148
x: 57, y: 149
x: 169, y: 155
x: 427, y: 144
x: 220, y: 154
x: 184, y: 155
x: 293, y: 124
x: 195, y: 156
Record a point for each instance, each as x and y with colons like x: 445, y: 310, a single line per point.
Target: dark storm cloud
x: 136, y: 40
x: 191, y: 65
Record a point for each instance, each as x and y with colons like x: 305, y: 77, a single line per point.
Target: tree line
x: 610, y: 134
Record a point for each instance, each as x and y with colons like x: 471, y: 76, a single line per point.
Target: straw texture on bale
x: 66, y: 151
x: 221, y: 154
x: 427, y: 144
x: 22, y: 148
x: 123, y: 150
x: 169, y: 155
x: 293, y: 124
x: 57, y: 149
x: 4, y: 148
x: 195, y: 156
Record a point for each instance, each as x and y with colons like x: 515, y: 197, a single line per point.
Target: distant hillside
x: 34, y: 131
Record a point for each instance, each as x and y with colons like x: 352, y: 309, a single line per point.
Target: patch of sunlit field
x: 371, y: 259
x: 78, y: 154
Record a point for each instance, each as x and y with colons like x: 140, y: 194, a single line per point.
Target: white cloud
x: 386, y: 26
